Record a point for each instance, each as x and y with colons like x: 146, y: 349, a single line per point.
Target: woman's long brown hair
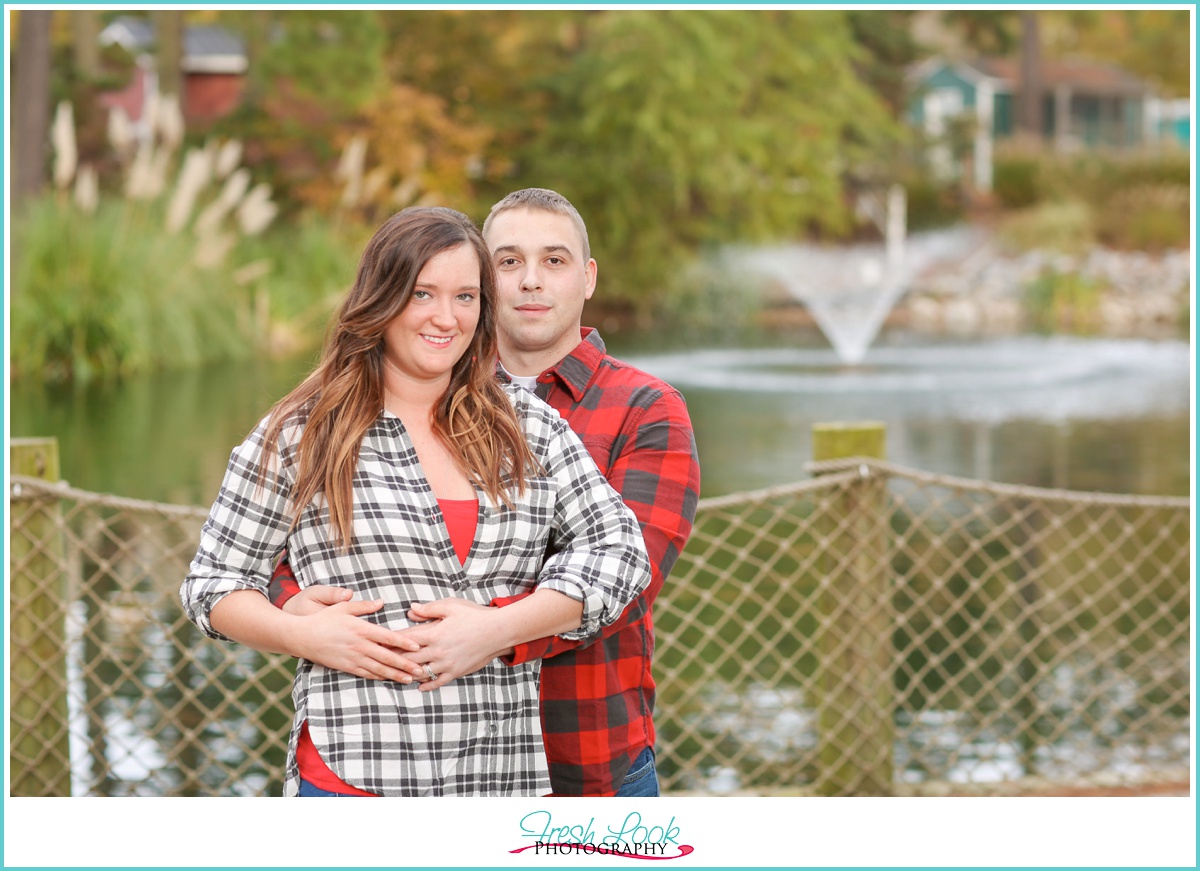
x: 344, y: 395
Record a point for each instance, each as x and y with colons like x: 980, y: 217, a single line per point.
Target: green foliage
x: 985, y: 31
x: 712, y: 301
x: 312, y: 73
x: 1153, y: 44
x: 1147, y: 218
x: 889, y: 49
x: 309, y: 264
x: 115, y: 294
x: 676, y: 129
x: 932, y: 203
x: 332, y: 56
x: 1015, y: 181
x: 1063, y: 300
x: 1103, y: 174
x: 1136, y: 201
x: 111, y: 294
x: 1067, y: 226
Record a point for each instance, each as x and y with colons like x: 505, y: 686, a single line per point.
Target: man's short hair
x: 547, y: 201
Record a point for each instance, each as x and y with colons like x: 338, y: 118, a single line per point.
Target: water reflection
x: 1086, y: 719
x: 1091, y: 415
x: 1106, y: 415
x: 1096, y: 414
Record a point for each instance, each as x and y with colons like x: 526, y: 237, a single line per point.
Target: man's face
x: 544, y: 281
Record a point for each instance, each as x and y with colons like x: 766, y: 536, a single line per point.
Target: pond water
x: 1089, y: 414
x: 1104, y: 415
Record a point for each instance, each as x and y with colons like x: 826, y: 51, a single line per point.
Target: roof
x: 207, y: 48
x: 1086, y: 76
x: 1081, y: 76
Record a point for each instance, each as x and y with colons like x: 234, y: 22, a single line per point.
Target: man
x: 597, y: 696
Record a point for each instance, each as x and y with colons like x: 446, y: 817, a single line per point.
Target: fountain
x: 850, y: 290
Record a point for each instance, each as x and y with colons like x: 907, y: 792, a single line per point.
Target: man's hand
x: 310, y: 600
x: 335, y: 636
x: 458, y: 638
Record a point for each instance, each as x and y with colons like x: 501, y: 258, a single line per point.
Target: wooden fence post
x: 40, y: 760
x: 855, y: 727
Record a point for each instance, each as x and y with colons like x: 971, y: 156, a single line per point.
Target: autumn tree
x: 493, y: 71
x: 311, y: 74
x: 168, y: 32
x: 1154, y: 44
x: 676, y: 130
x: 31, y: 102
x: 85, y: 41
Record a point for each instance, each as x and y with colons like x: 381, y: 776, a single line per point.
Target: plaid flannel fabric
x: 479, y: 735
x: 598, y: 694
x: 598, y: 697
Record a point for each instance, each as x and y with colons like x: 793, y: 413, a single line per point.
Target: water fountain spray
x: 850, y: 290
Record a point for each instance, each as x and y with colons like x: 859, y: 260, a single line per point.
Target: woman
x: 402, y: 469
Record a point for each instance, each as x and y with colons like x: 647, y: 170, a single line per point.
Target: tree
x: 997, y: 32
x: 31, y: 102
x: 889, y: 50
x: 985, y: 31
x: 1030, y: 105
x: 677, y: 130
x: 312, y: 73
x: 329, y: 56
x: 168, y: 25
x: 492, y: 69
x: 1154, y: 44
x: 85, y: 41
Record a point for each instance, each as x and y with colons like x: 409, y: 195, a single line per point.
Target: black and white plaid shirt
x: 480, y: 734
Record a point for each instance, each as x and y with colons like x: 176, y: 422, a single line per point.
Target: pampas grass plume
x: 62, y: 135
x: 170, y: 122
x: 350, y: 170
x: 229, y: 155
x: 193, y: 177
x: 87, y: 189
x: 256, y: 211
x: 120, y: 131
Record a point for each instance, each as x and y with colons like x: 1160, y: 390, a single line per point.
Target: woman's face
x: 435, y: 329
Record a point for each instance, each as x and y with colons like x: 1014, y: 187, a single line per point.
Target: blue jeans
x: 642, y: 779
x: 640, y: 782
x: 307, y: 790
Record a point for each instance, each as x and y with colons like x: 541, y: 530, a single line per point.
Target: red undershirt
x: 461, y: 516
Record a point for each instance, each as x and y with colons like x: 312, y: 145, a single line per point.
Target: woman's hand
x: 459, y: 638
x: 336, y: 636
x: 462, y: 637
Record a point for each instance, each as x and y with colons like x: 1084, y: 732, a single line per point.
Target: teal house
x: 1085, y: 104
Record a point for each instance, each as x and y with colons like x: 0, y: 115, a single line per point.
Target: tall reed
x: 120, y: 278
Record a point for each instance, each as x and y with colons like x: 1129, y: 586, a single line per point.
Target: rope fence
x: 874, y: 630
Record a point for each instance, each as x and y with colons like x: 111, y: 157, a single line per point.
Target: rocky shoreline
x: 986, y: 293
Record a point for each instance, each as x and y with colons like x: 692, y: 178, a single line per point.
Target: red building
x: 214, y: 68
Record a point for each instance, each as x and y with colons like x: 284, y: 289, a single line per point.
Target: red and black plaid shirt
x: 597, y: 696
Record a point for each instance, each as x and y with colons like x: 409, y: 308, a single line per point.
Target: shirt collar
x: 576, y: 370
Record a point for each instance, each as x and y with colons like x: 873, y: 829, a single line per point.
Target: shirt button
x: 492, y: 728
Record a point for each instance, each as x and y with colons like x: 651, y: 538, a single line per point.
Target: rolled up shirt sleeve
x: 242, y: 537
x: 597, y: 555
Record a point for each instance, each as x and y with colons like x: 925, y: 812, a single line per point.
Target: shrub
x: 1148, y: 217
x: 1067, y: 226
x: 166, y: 276
x: 1063, y: 300
x: 1015, y: 181
x: 932, y: 204
x: 112, y: 294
